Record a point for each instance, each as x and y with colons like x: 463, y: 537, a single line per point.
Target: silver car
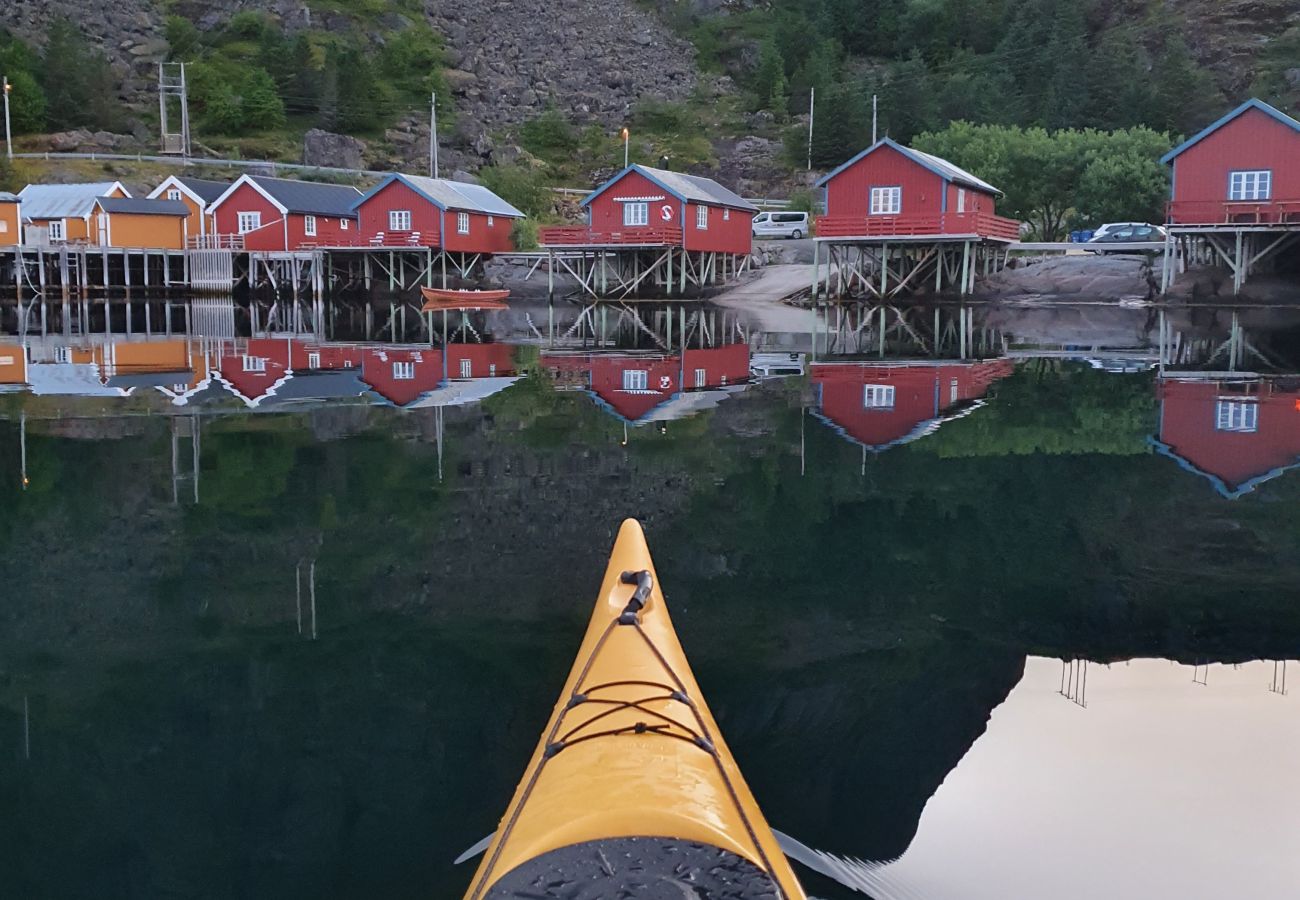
x: 781, y: 225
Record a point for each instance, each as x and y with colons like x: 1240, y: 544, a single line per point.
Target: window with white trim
x: 636, y: 380
x: 726, y: 214
x: 173, y: 194
x: 462, y: 223
x: 636, y: 214
x: 702, y: 217
x: 254, y: 363
x: 57, y: 230
x: 399, y: 220
x: 467, y: 368
x: 309, y: 226
x: 492, y: 370
x: 180, y: 388
x: 343, y: 224
x: 313, y: 360
x: 952, y: 390
x: 404, y: 371
x: 961, y: 200
x: 4, y: 226
x: 1236, y: 415
x: 701, y: 378
x: 249, y: 221
x: 1254, y: 185
x: 492, y: 222
x: 878, y: 396
x: 63, y: 355
x: 886, y: 201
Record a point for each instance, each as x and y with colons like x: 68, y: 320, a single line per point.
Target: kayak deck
x: 632, y: 761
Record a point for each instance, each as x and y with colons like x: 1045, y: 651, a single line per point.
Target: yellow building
x: 13, y: 364
x: 198, y: 195
x: 63, y: 213
x: 129, y: 222
x: 11, y: 222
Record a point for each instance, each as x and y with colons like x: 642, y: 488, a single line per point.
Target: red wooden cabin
x: 889, y: 190
x: 1236, y: 434
x: 414, y: 211
x: 277, y: 214
x: 646, y: 207
x: 1243, y: 169
x: 883, y: 405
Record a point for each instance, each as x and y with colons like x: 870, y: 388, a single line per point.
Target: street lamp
x: 9, y: 138
x: 627, y: 136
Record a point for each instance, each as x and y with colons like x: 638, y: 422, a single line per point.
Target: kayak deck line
x: 631, y: 789
x: 676, y: 693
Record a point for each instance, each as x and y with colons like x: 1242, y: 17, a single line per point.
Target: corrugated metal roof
x: 447, y: 194
x: 335, y: 384
x: 205, y: 189
x: 142, y: 207
x: 696, y: 188
x: 6, y: 197
x: 310, y: 197
x: 936, y: 164
x: 62, y: 201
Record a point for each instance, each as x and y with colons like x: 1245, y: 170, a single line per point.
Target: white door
x: 103, y: 229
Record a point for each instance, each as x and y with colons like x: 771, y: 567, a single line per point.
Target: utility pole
x: 433, y: 135
x: 627, y: 138
x: 9, y: 138
x: 812, y: 95
x: 873, y: 119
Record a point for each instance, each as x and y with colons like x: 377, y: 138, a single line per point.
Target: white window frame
x: 1247, y: 185
x: 173, y: 194
x: 636, y: 215
x: 63, y: 355
x: 701, y: 217
x: 636, y: 380
x: 254, y: 363
x: 57, y: 230
x: 952, y: 390
x: 1236, y: 415
x: 878, y: 396
x: 343, y: 224
x: 492, y: 370
x: 309, y: 226
x: 701, y: 378
x: 4, y: 226
x: 399, y: 220
x: 313, y: 360
x: 466, y: 367
x: 462, y: 223
x: 492, y: 221
x: 726, y: 214
x: 404, y: 370
x: 961, y: 200
x: 248, y: 222
x: 886, y: 201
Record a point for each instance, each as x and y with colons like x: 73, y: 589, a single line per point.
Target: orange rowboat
x: 442, y: 299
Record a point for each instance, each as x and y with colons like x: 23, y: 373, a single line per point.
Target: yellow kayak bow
x: 632, y: 791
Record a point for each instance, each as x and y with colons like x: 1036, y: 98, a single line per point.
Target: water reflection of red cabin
x: 1237, y: 434
x: 254, y: 369
x: 633, y: 386
x: 403, y: 374
x: 882, y: 405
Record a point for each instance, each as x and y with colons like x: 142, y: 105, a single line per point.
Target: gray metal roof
x: 310, y: 197
x: 62, y: 201
x: 955, y: 173
x: 458, y: 195
x: 936, y: 164
x: 696, y: 188
x: 206, y: 190
x: 333, y: 384
x: 142, y: 207
x: 6, y: 197
x: 149, y: 379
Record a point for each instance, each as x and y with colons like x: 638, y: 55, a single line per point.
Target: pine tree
x: 769, y: 79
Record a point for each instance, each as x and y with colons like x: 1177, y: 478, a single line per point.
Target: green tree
x: 769, y: 79
x: 261, y: 106
x: 1185, y: 97
x: 26, y: 103
x: 908, y: 106
x: 80, y: 88
x: 1124, y: 187
x: 183, y: 40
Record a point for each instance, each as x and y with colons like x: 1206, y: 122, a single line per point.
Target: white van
x: 781, y: 225
x: 775, y: 365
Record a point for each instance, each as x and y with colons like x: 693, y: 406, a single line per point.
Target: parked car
x: 1126, y: 234
x: 1103, y: 230
x: 781, y: 225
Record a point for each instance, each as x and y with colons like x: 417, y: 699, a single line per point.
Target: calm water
x: 1010, y: 625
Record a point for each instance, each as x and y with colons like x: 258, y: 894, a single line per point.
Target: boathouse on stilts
x: 899, y: 221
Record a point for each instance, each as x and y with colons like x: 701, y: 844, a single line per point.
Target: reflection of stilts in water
x: 1201, y: 674
x: 27, y: 729
x: 1278, y: 685
x: 803, y: 443
x: 1074, y: 681
x: 311, y: 595
x: 185, y: 427
x: 889, y: 331
x: 22, y: 445
x: 438, y: 425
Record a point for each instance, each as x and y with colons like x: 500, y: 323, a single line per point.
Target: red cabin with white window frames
x: 415, y: 211
x: 884, y: 405
x: 643, y: 206
x: 1237, y: 433
x: 889, y: 190
x: 1242, y: 170
x: 279, y: 214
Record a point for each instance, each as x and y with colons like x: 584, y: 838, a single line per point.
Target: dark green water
x: 853, y: 618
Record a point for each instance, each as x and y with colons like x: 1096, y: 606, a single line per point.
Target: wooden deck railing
x: 986, y: 225
x: 580, y: 235
x: 216, y: 242
x: 1233, y: 212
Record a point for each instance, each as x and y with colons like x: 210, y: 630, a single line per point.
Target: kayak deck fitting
x: 631, y: 791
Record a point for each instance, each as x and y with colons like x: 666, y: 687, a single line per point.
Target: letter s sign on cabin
x: 666, y: 212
